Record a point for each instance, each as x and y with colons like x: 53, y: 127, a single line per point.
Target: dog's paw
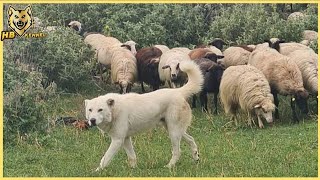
x: 169, y: 166
x: 98, y: 169
x: 132, y: 163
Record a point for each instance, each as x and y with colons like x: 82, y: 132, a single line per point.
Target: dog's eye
x: 16, y: 16
x: 23, y: 16
x: 99, y: 110
x: 90, y: 110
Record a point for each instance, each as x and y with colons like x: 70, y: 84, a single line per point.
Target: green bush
x: 24, y: 101
x: 252, y: 23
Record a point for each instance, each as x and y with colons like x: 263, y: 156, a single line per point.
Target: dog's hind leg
x: 132, y: 158
x: 112, y: 150
x: 193, y: 146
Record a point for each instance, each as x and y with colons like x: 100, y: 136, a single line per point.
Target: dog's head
x: 20, y: 20
x: 99, y: 110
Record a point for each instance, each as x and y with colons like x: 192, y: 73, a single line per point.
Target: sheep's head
x: 76, y: 25
x: 218, y: 43
x: 265, y: 111
x: 301, y: 98
x: 132, y: 45
x: 125, y: 87
x: 174, y: 70
x: 98, y: 110
x: 213, y: 57
x: 274, y: 43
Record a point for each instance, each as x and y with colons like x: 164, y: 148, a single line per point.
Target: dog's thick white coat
x: 123, y: 116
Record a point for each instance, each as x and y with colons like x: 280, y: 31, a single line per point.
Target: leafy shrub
x: 24, y: 101
x: 61, y: 56
x: 251, y: 24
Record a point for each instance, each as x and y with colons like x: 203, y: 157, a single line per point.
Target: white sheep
x: 182, y: 49
x: 246, y: 87
x: 234, y: 56
x: 169, y: 70
x: 76, y: 25
x: 309, y: 36
x: 283, y: 76
x: 123, y: 69
x: 163, y: 48
x: 306, y: 61
x: 287, y: 48
x: 296, y: 16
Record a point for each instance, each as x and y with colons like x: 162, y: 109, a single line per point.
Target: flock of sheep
x: 248, y: 77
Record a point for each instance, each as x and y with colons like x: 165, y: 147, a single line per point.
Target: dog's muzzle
x: 20, y: 24
x: 93, y: 122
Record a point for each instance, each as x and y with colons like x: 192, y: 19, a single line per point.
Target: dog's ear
x: 110, y: 102
x: 28, y: 9
x: 10, y: 10
x: 86, y: 102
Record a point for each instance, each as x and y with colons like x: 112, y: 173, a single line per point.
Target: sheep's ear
x: 267, y: 40
x: 282, y: 41
x: 178, y: 66
x: 219, y: 57
x: 257, y: 106
x: 110, y: 102
x: 165, y: 67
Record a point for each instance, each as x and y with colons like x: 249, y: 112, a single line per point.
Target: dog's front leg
x: 112, y: 150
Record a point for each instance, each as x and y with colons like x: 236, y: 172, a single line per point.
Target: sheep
x: 123, y: 69
x: 296, y: 16
x: 287, y: 48
x: 305, y: 60
x: 204, y: 53
x: 218, y: 43
x: 212, y: 73
x: 76, y: 25
x: 246, y: 87
x: 275, y: 43
x: 182, y: 49
x: 284, y: 77
x: 236, y: 55
x: 148, y: 61
x: 169, y: 70
x: 309, y: 36
x: 163, y: 48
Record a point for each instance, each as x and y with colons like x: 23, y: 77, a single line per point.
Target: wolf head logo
x: 20, y: 20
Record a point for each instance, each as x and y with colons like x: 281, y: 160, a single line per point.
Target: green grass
x: 285, y: 149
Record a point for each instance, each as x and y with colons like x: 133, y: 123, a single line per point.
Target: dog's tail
x: 195, y: 78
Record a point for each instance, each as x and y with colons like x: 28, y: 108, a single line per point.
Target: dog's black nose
x: 93, y: 121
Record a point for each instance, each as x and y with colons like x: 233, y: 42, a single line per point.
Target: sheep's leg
x: 194, y: 99
x: 215, y: 103
x: 204, y: 101
x: 260, y: 122
x: 142, y: 88
x: 276, y: 102
x: 294, y: 113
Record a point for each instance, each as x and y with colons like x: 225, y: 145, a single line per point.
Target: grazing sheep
x: 283, y: 75
x: 123, y: 69
x: 204, y: 53
x: 296, y: 16
x: 212, y: 73
x: 305, y: 59
x: 163, y: 48
x: 148, y: 61
x: 169, y: 70
x: 236, y: 55
x: 246, y: 87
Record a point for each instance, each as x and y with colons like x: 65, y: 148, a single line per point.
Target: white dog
x: 124, y: 115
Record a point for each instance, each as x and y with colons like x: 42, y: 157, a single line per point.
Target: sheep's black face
x: 301, y: 99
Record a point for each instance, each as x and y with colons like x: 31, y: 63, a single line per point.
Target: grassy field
x: 283, y: 150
